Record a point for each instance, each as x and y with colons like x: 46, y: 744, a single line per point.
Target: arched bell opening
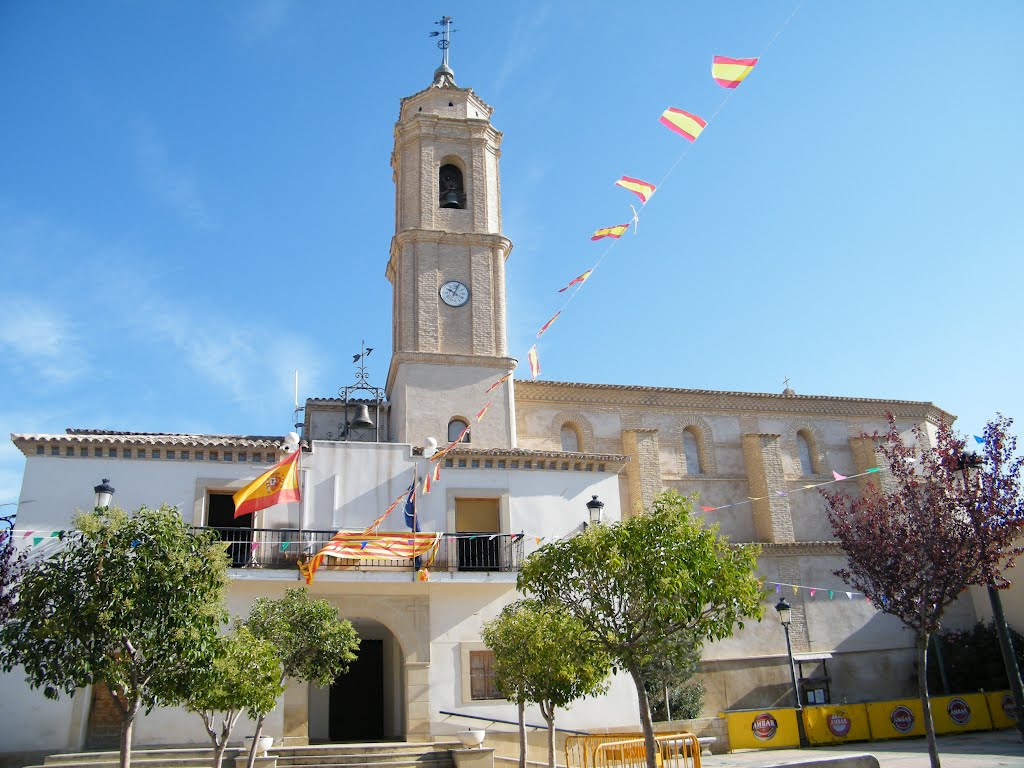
x: 451, y: 190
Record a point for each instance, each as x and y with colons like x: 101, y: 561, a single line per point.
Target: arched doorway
x: 367, y: 703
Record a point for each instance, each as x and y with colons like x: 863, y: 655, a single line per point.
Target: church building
x: 520, y: 476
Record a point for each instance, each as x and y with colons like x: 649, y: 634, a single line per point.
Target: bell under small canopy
x: 452, y: 194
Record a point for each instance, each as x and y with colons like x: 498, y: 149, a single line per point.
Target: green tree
x: 668, y: 676
x: 130, y: 601
x: 312, y: 643
x: 636, y: 584
x: 544, y: 655
x: 245, y: 675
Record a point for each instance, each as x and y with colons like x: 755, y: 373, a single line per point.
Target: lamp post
x: 104, y: 493
x: 964, y: 462
x: 785, y: 618
x: 595, y: 508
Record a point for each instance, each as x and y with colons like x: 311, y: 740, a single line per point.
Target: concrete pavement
x: 972, y: 750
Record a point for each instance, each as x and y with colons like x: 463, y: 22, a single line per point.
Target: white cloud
x: 39, y: 338
x: 174, y: 185
x: 262, y: 19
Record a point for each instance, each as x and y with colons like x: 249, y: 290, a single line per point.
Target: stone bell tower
x: 447, y: 270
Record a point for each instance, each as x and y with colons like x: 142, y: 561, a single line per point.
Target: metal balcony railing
x: 284, y: 547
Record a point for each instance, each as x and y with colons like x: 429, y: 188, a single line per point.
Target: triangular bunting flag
x: 837, y: 476
x: 831, y: 594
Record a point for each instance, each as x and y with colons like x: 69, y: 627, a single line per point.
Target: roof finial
x: 788, y: 390
x: 443, y: 75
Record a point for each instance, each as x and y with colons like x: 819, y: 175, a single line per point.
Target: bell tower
x: 447, y: 270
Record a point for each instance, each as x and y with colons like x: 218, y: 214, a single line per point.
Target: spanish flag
x: 641, y: 189
x: 729, y: 73
x: 686, y: 125
x: 582, y: 278
x: 534, y: 362
x: 278, y: 485
x: 613, y: 232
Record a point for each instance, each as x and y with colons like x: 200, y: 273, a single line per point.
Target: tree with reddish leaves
x: 931, y: 529
x: 11, y: 562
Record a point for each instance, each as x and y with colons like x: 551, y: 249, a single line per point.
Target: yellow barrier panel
x: 835, y: 724
x: 762, y: 729
x: 959, y: 714
x: 895, y: 719
x: 621, y: 750
x: 1000, y: 709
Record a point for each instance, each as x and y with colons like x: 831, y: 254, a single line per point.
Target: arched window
x: 803, y: 445
x: 451, y: 193
x: 691, y: 452
x: 456, y: 427
x: 570, y: 439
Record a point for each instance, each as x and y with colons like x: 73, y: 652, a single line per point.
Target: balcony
x: 283, y: 547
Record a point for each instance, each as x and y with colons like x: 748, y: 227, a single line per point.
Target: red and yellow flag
x: 548, y: 324
x: 641, y: 189
x: 534, y: 362
x: 729, y: 73
x: 426, y: 483
x: 499, y: 382
x: 482, y: 411
x: 278, y: 485
x: 308, y: 567
x: 614, y: 232
x: 686, y: 125
x: 581, y: 279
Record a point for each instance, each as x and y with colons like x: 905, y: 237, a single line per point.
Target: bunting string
x: 838, y: 478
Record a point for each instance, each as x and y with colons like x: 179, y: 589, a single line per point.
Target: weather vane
x: 446, y: 36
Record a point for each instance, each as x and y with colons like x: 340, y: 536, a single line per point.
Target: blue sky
x: 196, y: 199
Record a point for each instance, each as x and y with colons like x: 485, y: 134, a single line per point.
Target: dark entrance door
x: 357, y: 698
x: 238, y: 530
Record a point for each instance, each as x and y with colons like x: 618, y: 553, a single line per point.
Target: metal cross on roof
x: 445, y: 34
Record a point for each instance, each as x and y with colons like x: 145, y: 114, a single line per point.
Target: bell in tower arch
x: 452, y: 193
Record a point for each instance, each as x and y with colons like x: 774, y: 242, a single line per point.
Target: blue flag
x: 410, y: 510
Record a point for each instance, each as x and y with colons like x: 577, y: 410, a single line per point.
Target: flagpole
x: 415, y: 494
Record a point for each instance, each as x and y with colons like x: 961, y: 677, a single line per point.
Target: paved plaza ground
x: 991, y: 748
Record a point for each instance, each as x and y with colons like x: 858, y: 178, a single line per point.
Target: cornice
x: 438, y: 358
x: 467, y: 457
x: 27, y: 442
x: 559, y: 392
x: 799, y: 548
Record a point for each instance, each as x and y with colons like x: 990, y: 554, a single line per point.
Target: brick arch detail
x: 580, y: 423
x: 815, y: 446
x: 701, y: 430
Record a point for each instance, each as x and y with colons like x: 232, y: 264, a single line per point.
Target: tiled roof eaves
x: 522, y: 453
x: 79, y: 437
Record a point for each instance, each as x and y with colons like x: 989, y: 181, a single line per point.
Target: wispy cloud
x: 523, y: 42
x: 173, y: 184
x: 40, y: 339
x: 262, y: 19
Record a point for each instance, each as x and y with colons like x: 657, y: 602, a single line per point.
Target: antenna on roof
x: 297, y: 410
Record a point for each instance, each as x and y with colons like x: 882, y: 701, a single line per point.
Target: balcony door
x: 220, y: 514
x: 476, y: 522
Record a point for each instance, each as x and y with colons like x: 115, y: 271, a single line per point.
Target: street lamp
x: 970, y: 460
x: 596, y: 510
x: 785, y: 618
x: 104, y: 493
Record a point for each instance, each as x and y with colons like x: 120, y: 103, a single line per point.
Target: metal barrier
x: 627, y: 750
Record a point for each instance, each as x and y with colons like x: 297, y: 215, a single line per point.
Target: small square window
x: 40, y: 450
x: 476, y: 463
x: 140, y: 453
x: 69, y: 450
x: 55, y: 450
x: 126, y: 453
x: 184, y: 455
x: 83, y: 451
x: 97, y: 452
x: 154, y: 454
x: 112, y: 453
x: 227, y: 455
x: 241, y: 457
x: 501, y: 463
x: 170, y: 453
x: 213, y: 455
x: 199, y: 455
x: 257, y: 458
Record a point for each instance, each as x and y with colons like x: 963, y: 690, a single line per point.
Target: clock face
x: 454, y: 294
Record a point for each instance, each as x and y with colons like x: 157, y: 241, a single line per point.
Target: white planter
x: 472, y: 739
x: 266, y: 742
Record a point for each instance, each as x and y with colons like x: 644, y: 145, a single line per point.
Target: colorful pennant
x: 534, y: 362
x: 729, y: 73
x: 576, y: 280
x: 614, y: 232
x: 499, y: 382
x: 482, y: 411
x: 641, y: 189
x: 548, y: 324
x: 685, y: 124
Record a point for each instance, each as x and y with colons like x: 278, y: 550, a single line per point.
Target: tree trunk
x: 127, y: 723
x: 522, y: 733
x: 548, y: 710
x: 926, y: 707
x: 645, y: 717
x: 218, y: 752
x: 255, y: 741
